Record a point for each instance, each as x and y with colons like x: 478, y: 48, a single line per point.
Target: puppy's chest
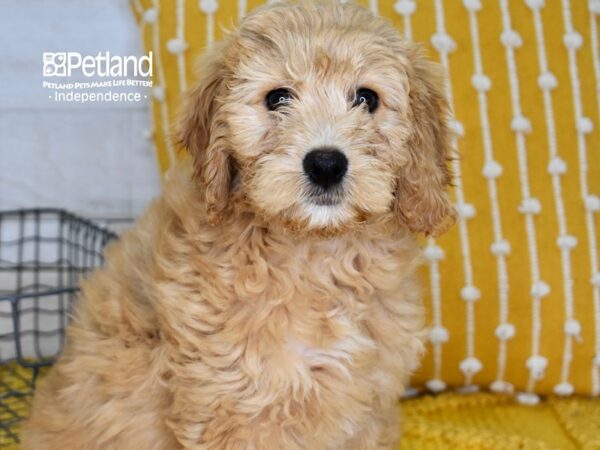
x: 319, y: 300
x: 338, y: 350
x: 335, y: 304
x: 327, y: 274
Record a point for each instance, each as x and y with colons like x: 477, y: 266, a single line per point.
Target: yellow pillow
x: 514, y: 301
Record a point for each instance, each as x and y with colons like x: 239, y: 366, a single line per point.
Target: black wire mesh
x: 43, y: 255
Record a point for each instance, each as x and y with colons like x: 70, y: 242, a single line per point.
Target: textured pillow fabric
x: 514, y: 298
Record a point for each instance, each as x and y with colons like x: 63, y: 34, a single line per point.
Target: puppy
x: 268, y: 298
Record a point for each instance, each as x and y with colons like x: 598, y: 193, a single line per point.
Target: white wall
x: 92, y: 159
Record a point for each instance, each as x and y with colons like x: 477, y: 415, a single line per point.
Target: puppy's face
x: 324, y: 119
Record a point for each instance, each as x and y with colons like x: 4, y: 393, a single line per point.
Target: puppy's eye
x: 368, y: 97
x: 277, y: 98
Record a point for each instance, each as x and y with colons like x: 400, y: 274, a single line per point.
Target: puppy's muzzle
x: 325, y: 167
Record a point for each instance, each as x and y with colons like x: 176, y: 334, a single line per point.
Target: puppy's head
x: 321, y: 118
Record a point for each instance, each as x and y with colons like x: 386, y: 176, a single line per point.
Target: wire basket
x: 43, y: 255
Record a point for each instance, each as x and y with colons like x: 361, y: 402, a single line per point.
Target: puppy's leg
x: 229, y: 430
x: 381, y: 432
x: 49, y: 427
x: 249, y: 419
x: 94, y: 401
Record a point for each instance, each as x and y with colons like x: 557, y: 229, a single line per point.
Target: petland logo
x: 65, y: 64
x: 71, y: 77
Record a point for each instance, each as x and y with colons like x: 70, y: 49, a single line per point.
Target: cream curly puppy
x: 268, y: 299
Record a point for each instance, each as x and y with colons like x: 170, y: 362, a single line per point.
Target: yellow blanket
x: 489, y: 421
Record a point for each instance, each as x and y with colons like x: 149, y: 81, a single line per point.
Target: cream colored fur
x: 238, y: 315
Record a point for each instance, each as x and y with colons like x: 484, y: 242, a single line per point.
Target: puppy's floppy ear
x: 203, y: 134
x: 422, y: 199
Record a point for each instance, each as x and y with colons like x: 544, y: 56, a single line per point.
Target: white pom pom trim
x: 547, y: 80
x: 208, y: 6
x: 511, y: 39
x: 481, y: 82
x: 465, y: 210
x: 557, y: 166
x: 566, y: 241
x: 176, y: 46
x: 530, y: 206
x: 564, y: 389
x: 499, y: 248
x: 537, y: 366
x: 405, y: 7
x: 435, y: 385
x: 573, y: 40
x: 528, y: 398
x: 472, y: 5
x: 535, y: 4
x: 596, y: 360
x: 470, y: 366
x: 572, y: 327
x: 470, y: 294
x: 521, y: 124
x: 594, y: 6
x: 585, y: 125
x: 540, y: 289
x: 592, y: 203
x: 150, y: 15
x: 537, y: 362
x: 501, y: 387
x: 595, y: 280
x: 434, y: 253
x: 492, y: 169
x: 438, y: 335
x: 443, y: 43
x: 505, y: 331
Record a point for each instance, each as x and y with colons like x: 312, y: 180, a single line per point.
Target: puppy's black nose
x: 325, y: 167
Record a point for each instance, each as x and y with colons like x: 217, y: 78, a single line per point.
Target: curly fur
x: 238, y: 315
